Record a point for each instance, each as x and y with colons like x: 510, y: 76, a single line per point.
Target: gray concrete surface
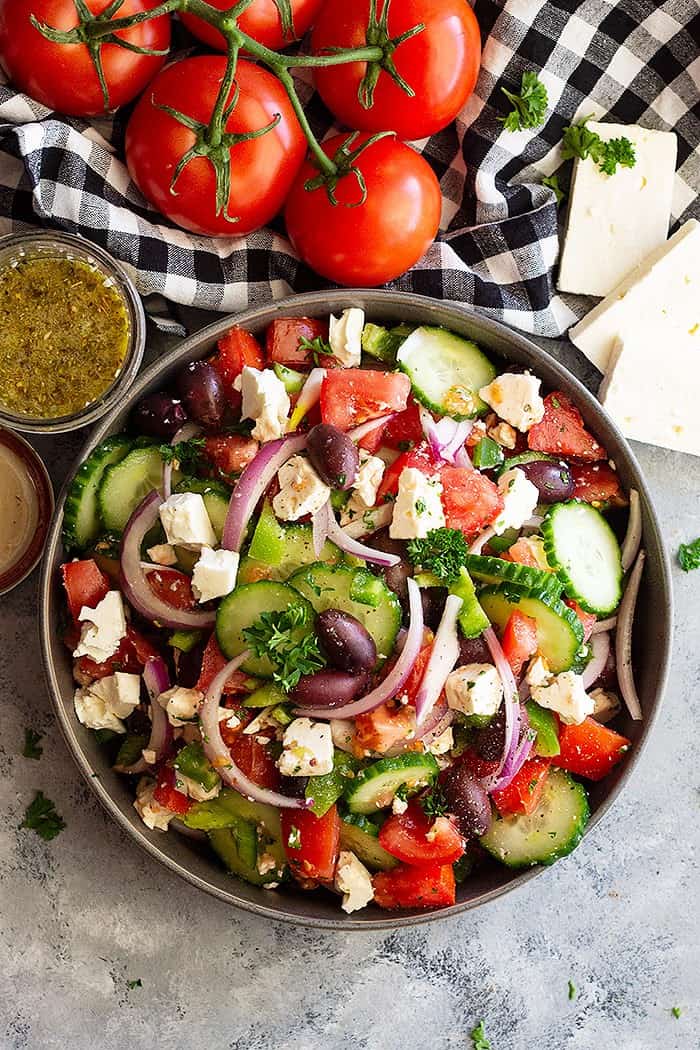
x: 83, y: 915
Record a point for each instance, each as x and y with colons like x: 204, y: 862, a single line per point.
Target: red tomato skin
x: 598, y: 484
x: 84, y: 584
x: 519, y: 640
x: 562, y: 431
x: 523, y: 793
x: 261, y: 21
x: 441, y: 64
x: 254, y: 759
x: 405, y: 836
x: 283, y: 337
x: 167, y: 794
x: 62, y: 76
x: 350, y: 396
x: 173, y: 587
x: 590, y: 749
x: 470, y: 499
x: 262, y: 169
x: 316, y: 857
x: 213, y: 661
x: 132, y: 655
x: 430, y: 886
x: 230, y: 453
x: 404, y: 431
x: 588, y: 620
x: 420, y: 457
x: 374, y: 242
x: 235, y: 350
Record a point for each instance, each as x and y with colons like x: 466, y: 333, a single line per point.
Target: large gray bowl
x: 197, y: 865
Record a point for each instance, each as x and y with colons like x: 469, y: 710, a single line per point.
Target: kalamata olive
x: 201, y: 389
x: 346, y: 642
x: 329, y: 688
x: 189, y: 666
x: 159, y: 415
x: 467, y: 799
x: 433, y: 600
x: 473, y: 651
x: 489, y: 741
x: 293, y: 787
x: 334, y: 456
x: 553, y: 481
x: 395, y: 578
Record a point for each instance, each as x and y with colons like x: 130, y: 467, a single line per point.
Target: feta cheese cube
x: 103, y: 628
x: 194, y: 790
x: 443, y: 743
x: 474, y: 689
x: 538, y: 673
x: 265, y: 400
x: 149, y: 756
x: 214, y: 574
x: 301, y: 490
x: 418, y: 506
x: 151, y: 812
x: 515, y: 397
x: 520, y: 497
x: 181, y: 704
x: 266, y: 864
x: 398, y: 805
x: 345, y: 336
x: 565, y: 694
x: 614, y: 221
x: 105, y: 702
x: 364, y: 490
x: 354, y: 881
x: 307, y: 749
x: 162, y: 554
x: 186, y: 522
x: 606, y: 705
x: 504, y: 435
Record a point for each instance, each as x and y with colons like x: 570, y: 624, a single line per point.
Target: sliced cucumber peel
x: 583, y: 550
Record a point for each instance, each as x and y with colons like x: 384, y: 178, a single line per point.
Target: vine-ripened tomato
x: 262, y: 169
x: 63, y: 76
x: 262, y: 20
x: 440, y: 64
x: 374, y: 242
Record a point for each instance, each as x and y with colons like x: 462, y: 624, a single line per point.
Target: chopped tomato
x: 236, y: 349
x: 311, y: 843
x: 590, y: 749
x: 172, y: 587
x: 167, y: 794
x: 415, y: 678
x: 213, y: 661
x: 470, y: 499
x: 84, y: 585
x: 380, y: 729
x: 416, y: 839
x: 404, y: 431
x: 523, y: 553
x: 350, y: 396
x: 420, y: 457
x: 230, y: 453
x: 255, y: 759
x: 519, y: 640
x: 562, y: 431
x: 588, y: 620
x: 525, y: 789
x: 283, y: 339
x: 597, y: 483
x: 131, y: 657
x: 431, y: 886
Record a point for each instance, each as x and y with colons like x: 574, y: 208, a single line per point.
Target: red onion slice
x: 443, y: 657
x: 623, y: 639
x: 357, y: 433
x: 395, y: 680
x: 515, y: 763
x: 189, y: 430
x: 446, y: 436
x: 320, y: 525
x: 481, y: 540
x: 134, y: 583
x: 633, y: 536
x: 372, y: 520
x: 462, y: 459
x: 252, y: 484
x: 352, y: 546
x: 510, y: 699
x: 219, y: 755
x: 604, y: 625
x: 600, y: 644
x: 309, y: 396
x: 157, y: 681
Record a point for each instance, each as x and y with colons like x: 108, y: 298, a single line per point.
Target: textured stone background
x: 81, y: 916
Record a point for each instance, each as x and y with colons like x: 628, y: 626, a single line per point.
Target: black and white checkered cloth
x: 634, y: 61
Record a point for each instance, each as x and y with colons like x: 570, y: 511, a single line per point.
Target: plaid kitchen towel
x: 635, y: 61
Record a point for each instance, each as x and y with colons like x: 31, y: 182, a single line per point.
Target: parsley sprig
x: 186, y: 453
x: 579, y: 141
x: 529, y: 107
x: 689, y: 555
x: 443, y: 552
x: 31, y: 747
x: 434, y: 804
x: 41, y: 816
x: 478, y: 1037
x: 281, y: 637
x: 552, y: 181
x: 316, y: 348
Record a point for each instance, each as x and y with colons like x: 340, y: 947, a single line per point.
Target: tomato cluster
x: 219, y: 149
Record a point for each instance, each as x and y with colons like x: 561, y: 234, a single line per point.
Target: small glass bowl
x: 37, y: 475
x: 58, y: 245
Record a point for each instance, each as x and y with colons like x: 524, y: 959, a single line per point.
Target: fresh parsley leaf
x: 31, y: 747
x: 187, y: 453
x: 135, y: 984
x: 689, y: 555
x: 443, y: 552
x: 316, y: 348
x: 618, y: 151
x: 579, y: 141
x: 41, y: 816
x: 294, y: 838
x: 572, y: 990
x: 676, y: 1011
x: 277, y: 636
x: 478, y: 1037
x: 434, y: 804
x: 530, y: 105
x: 552, y: 182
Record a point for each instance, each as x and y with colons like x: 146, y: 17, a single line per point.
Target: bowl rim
x: 41, y: 480
x: 265, y: 313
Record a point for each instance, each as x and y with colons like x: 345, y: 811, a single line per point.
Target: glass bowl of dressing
x: 26, y: 509
x: 72, y: 331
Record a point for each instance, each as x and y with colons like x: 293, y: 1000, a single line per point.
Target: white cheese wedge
x: 663, y: 290
x: 614, y: 221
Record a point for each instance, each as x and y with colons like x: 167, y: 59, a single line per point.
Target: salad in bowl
x: 353, y: 606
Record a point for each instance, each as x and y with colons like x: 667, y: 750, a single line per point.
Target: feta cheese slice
x: 474, y: 689
x: 151, y: 812
x: 565, y: 694
x: 307, y: 749
x: 516, y: 398
x: 663, y: 290
x: 181, y: 704
x: 103, y: 628
x: 301, y: 490
x: 418, y: 506
x: 265, y: 400
x: 365, y: 487
x: 353, y: 880
x: 186, y: 522
x: 105, y: 702
x: 520, y: 497
x: 345, y: 336
x: 614, y: 221
x: 214, y: 574
x: 194, y: 790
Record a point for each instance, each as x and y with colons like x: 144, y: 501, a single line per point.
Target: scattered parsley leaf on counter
x: 552, y: 182
x: 272, y: 635
x: 31, y: 747
x: 572, y: 990
x: 579, y: 141
x: 530, y: 105
x: 676, y: 1011
x: 41, y: 816
x: 186, y: 453
x: 689, y: 555
x: 478, y: 1037
x: 443, y: 552
x: 135, y: 984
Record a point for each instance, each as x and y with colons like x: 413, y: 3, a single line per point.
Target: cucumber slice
x: 582, y: 548
x: 553, y: 830
x: 238, y: 847
x: 125, y: 484
x: 242, y: 608
x: 559, y: 630
x: 364, y: 844
x: 82, y: 523
x: 496, y: 570
x: 446, y: 372
x: 229, y: 806
x: 375, y: 786
x: 216, y: 499
x: 332, y: 587
x: 276, y: 550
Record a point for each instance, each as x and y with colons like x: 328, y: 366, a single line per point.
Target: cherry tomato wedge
x: 562, y: 431
x: 230, y: 453
x: 590, y: 749
x: 255, y: 760
x: 350, y: 396
x: 430, y: 886
x: 470, y: 499
x: 84, y: 584
x: 523, y: 793
x: 173, y: 587
x: 284, y: 337
x: 420, y: 457
x: 311, y: 843
x: 597, y: 483
x: 404, y: 431
x: 167, y: 794
x: 213, y: 661
x: 414, y: 838
x: 235, y: 350
x: 519, y: 640
x: 132, y: 655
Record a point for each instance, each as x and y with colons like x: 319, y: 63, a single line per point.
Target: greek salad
x: 353, y: 605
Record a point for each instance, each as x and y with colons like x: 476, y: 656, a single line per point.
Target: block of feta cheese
x: 515, y: 397
x: 474, y: 689
x: 105, y: 702
x: 345, y: 336
x: 565, y: 694
x: 662, y: 291
x: 614, y: 221
x: 102, y: 628
x: 214, y: 574
x: 151, y: 812
x: 520, y: 497
x: 354, y: 881
x: 181, y: 704
x: 186, y: 522
x: 418, y: 506
x: 301, y: 490
x: 265, y: 400
x: 307, y: 749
